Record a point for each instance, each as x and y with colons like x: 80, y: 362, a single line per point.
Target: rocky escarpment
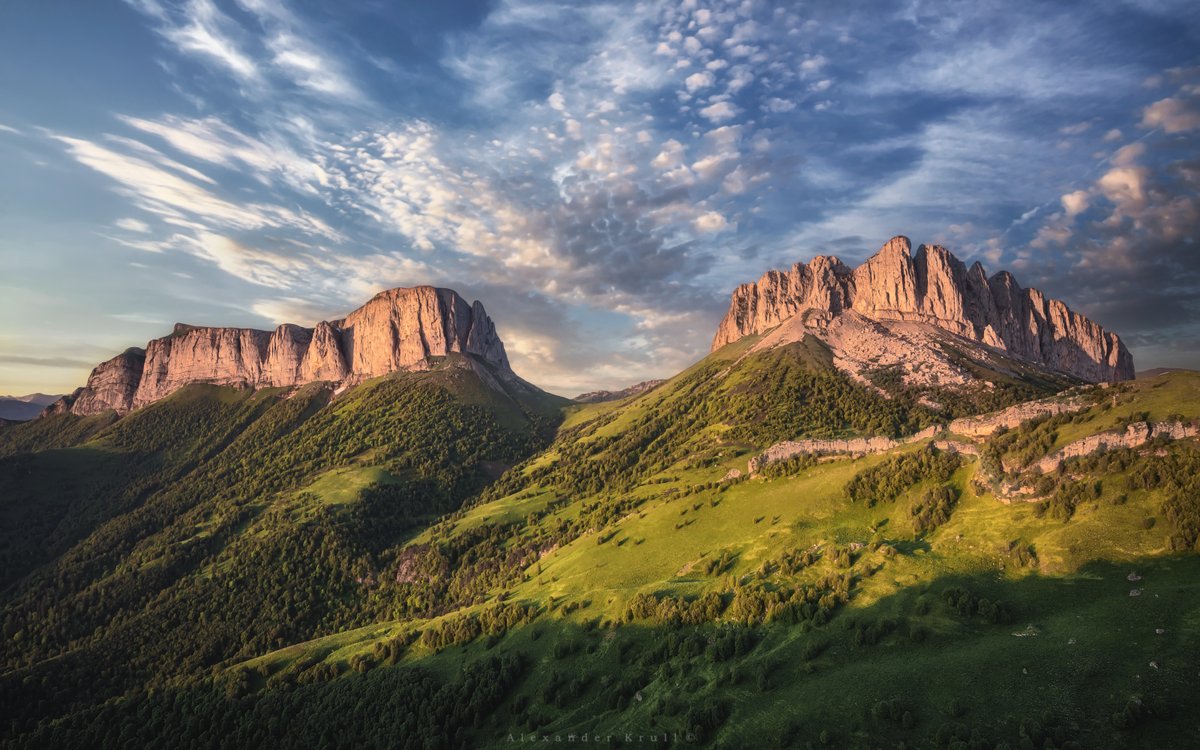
x: 399, y: 329
x: 1133, y: 436
x: 971, y: 427
x: 931, y: 288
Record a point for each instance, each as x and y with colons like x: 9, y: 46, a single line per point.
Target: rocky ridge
x: 398, y: 329
x: 593, y: 397
x: 1133, y: 436
x: 971, y: 427
x: 931, y: 289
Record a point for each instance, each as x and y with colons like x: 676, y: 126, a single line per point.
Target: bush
x: 888, y: 480
x: 933, y: 509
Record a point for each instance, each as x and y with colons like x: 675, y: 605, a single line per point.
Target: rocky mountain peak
x: 933, y: 288
x: 397, y: 329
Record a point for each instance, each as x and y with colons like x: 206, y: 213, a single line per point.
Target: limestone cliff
x: 931, y: 288
x: 111, y: 385
x: 399, y: 329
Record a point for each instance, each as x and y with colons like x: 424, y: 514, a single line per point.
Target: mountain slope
x: 636, y: 389
x: 914, y: 582
x: 216, y: 523
x: 841, y: 601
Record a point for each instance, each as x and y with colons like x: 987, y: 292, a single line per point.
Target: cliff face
x: 399, y: 329
x: 934, y: 288
x: 111, y: 385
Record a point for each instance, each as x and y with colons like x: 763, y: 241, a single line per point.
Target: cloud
x: 813, y: 64
x: 261, y: 267
x: 606, y: 172
x: 710, y: 221
x: 200, y: 28
x: 133, y: 225
x: 280, y: 45
x: 701, y: 80
x: 65, y: 362
x: 213, y: 141
x: 148, y: 179
x: 1173, y: 114
x: 1030, y: 53
x: 1132, y: 268
x: 720, y: 111
x: 1075, y: 203
x: 670, y: 156
x: 301, y: 311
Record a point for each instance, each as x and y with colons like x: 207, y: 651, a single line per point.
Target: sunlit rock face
x: 933, y: 288
x: 399, y: 329
x: 111, y: 385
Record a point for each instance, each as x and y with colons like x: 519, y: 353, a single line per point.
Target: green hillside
x: 629, y: 579
x: 218, y: 524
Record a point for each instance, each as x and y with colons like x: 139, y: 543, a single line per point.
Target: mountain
x: 397, y: 330
x: 21, y: 408
x: 897, y: 308
x: 592, y: 397
x: 812, y: 537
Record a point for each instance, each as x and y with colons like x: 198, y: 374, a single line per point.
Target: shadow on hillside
x: 981, y: 660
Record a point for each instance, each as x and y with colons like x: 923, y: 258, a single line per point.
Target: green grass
x: 1074, y: 588
x: 343, y: 486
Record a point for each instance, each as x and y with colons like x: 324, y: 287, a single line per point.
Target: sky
x: 600, y: 175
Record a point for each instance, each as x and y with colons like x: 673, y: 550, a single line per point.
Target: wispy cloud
x: 152, y: 182
x: 280, y: 47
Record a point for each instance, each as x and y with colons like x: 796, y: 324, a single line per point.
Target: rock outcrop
x: 399, y: 329
x: 1133, y: 436
x: 1014, y: 416
x: 971, y: 427
x: 111, y: 385
x: 853, y: 447
x: 933, y: 288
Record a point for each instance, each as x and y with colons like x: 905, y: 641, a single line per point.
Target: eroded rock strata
x: 933, y: 288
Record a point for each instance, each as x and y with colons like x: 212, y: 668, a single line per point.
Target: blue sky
x: 600, y: 175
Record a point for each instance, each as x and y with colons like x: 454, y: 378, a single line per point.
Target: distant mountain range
x: 592, y: 397
x: 21, y: 408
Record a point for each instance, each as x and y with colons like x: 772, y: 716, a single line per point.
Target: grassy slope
x: 682, y: 515
x: 1076, y: 590
x: 182, y: 507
